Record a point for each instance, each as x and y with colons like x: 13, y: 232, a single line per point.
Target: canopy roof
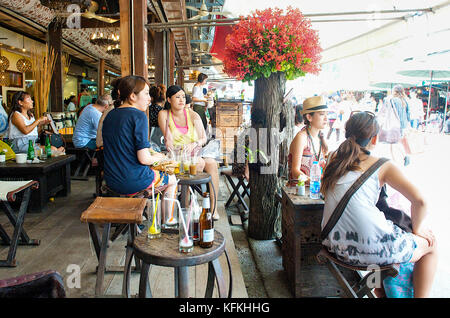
x: 332, y: 33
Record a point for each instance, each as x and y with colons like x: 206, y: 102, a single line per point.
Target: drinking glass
x: 170, y: 214
x: 186, y: 242
x: 154, y: 218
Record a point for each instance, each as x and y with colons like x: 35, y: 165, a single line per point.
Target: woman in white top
x: 22, y: 124
x: 71, y: 107
x: 199, y: 100
x: 362, y: 235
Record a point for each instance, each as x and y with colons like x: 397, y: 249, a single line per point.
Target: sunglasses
x: 362, y: 111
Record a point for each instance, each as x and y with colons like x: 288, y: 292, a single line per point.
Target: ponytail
x: 345, y: 158
x: 359, y: 129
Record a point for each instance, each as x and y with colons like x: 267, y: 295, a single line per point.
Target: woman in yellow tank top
x: 182, y: 127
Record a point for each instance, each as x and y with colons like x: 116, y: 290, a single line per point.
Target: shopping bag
x: 389, y: 124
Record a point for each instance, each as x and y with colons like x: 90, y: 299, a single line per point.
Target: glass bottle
x: 48, y: 147
x: 30, y: 153
x: 206, y: 224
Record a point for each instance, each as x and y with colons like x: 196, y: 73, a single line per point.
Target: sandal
x: 216, y: 217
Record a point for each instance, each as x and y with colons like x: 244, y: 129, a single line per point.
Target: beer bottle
x: 48, y: 147
x: 30, y: 153
x: 206, y: 224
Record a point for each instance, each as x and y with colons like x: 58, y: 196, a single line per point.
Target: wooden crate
x: 229, y: 117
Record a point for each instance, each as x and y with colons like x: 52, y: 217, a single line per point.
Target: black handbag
x: 56, y: 140
x: 398, y: 217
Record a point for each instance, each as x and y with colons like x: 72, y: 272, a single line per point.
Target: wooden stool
x: 164, y: 252
x: 146, y: 193
x: 361, y: 288
x: 186, y: 181
x: 8, y: 191
x: 236, y: 187
x: 105, y: 211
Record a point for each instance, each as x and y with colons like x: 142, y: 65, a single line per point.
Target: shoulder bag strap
x: 337, y: 213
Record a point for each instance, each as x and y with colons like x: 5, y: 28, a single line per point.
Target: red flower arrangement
x: 271, y: 41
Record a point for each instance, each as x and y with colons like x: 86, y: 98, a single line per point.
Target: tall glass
x: 193, y: 166
x: 186, y: 242
x: 170, y: 214
x: 154, y: 218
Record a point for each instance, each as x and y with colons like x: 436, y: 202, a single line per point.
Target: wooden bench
x: 105, y: 211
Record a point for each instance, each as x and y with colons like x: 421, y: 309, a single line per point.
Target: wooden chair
x: 236, y: 188
x: 361, y: 288
x: 85, y: 158
x: 8, y: 193
x: 105, y: 211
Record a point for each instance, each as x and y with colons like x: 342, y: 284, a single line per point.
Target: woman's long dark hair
x: 16, y: 107
x: 359, y: 130
x: 172, y: 90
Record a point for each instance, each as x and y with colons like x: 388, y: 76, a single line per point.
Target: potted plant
x: 269, y: 47
x: 301, y: 184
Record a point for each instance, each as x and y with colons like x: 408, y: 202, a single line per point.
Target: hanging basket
x: 23, y: 65
x: 4, y: 63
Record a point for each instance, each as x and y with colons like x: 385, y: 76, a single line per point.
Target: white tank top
x: 14, y: 132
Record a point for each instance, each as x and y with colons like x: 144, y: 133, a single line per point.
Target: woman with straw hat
x: 309, y: 144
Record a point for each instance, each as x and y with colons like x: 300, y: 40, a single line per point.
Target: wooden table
x: 52, y: 174
x: 164, y: 252
x: 301, y: 226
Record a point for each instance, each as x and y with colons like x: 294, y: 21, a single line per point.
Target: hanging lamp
x: 23, y: 64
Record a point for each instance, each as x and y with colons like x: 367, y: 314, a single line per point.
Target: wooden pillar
x: 180, y: 76
x: 54, y: 40
x: 159, y: 57
x: 140, y: 38
x: 171, y: 59
x: 125, y: 37
x: 133, y: 37
x: 101, y: 77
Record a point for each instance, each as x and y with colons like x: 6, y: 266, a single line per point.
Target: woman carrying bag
x: 361, y: 235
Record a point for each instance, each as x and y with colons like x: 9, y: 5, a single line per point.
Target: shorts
x: 160, y: 179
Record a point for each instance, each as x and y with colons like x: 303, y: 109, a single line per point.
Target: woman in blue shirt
x: 126, y: 146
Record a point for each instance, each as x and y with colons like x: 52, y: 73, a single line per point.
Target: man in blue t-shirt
x: 86, y: 129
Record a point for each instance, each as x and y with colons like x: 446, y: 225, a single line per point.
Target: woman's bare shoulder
x: 298, y: 140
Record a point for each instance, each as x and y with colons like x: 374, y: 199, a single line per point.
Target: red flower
x: 269, y: 37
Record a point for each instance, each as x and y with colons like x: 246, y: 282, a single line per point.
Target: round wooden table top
x: 199, y: 178
x: 164, y: 251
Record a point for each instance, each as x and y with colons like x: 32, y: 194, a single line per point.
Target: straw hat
x: 314, y: 104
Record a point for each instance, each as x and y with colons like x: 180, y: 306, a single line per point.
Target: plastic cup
x: 186, y: 242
